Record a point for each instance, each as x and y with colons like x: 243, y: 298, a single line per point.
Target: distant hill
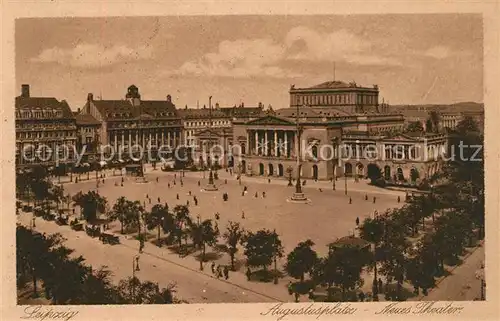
x: 456, y: 107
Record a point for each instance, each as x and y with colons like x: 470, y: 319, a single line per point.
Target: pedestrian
x: 225, y: 181
x: 357, y: 221
x: 269, y: 181
x: 311, y: 294
x: 245, y: 189
x: 195, y: 201
x: 157, y: 179
x: 149, y: 200
x: 158, y: 200
x: 182, y: 183
x: 144, y: 203
x: 198, y: 183
x: 177, y: 196
x: 218, y: 271
x: 189, y: 193
x: 175, y: 176
x: 366, y: 197
x: 380, y: 284
x: 374, y: 199
x: 226, y: 272
x: 213, y: 267
x: 147, y: 195
x: 399, y: 199
x: 256, y: 195
x: 248, y: 274
x: 103, y: 180
x: 168, y: 185
x: 320, y: 190
x: 361, y: 296
x: 187, y: 203
x: 73, y: 211
x: 263, y: 194
x: 217, y: 216
x: 121, y: 184
x: 122, y: 180
x: 175, y: 183
x: 350, y: 200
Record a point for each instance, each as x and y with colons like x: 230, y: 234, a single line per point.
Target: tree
x: 372, y: 230
x: 203, y: 234
x: 233, y: 235
x: 57, y: 194
x: 301, y: 260
x: 262, y: 247
x: 155, y: 218
x: 182, y: 220
x: 118, y: 211
x: 91, y: 203
x: 393, y: 250
x: 415, y: 127
x: 435, y: 119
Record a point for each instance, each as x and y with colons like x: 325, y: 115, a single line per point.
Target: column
x: 156, y: 137
x: 150, y: 136
x: 123, y: 139
x: 116, y: 140
x: 256, y: 142
x: 265, y: 143
x: 295, y: 147
x: 168, y: 139
x: 247, y: 146
x: 136, y: 136
x: 285, y: 133
x: 275, y: 143
x: 163, y: 137
x: 129, y: 138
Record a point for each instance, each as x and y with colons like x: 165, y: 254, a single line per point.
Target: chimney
x: 90, y: 97
x: 25, y: 91
x: 169, y: 98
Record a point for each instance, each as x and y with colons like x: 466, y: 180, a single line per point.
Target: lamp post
x: 298, y: 195
x: 210, y: 186
x: 345, y: 181
x: 334, y: 176
x: 135, y: 268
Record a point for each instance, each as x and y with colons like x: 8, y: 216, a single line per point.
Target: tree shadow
x: 209, y: 256
x: 183, y: 250
x: 265, y: 276
x: 221, y: 248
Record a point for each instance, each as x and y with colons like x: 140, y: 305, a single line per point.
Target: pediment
x: 207, y: 133
x: 270, y: 120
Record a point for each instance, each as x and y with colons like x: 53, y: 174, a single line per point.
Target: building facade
x: 88, y: 142
x: 45, y: 131
x: 333, y: 140
x: 348, y: 97
x: 135, y: 122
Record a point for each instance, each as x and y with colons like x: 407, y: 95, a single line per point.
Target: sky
x: 414, y: 59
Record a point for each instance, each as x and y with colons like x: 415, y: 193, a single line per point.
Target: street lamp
x: 135, y: 268
x: 298, y: 195
x: 210, y: 186
x: 334, y: 177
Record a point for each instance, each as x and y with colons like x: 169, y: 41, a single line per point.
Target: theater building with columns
x: 134, y: 121
x: 269, y: 145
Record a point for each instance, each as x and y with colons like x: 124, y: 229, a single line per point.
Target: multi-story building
x: 269, y: 144
x: 45, y: 131
x: 348, y: 97
x: 135, y: 122
x: 195, y: 120
x: 88, y: 143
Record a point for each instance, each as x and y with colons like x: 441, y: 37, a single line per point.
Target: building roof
x: 123, y: 109
x: 201, y: 113
x: 50, y: 107
x: 335, y: 84
x: 86, y: 119
x: 242, y: 112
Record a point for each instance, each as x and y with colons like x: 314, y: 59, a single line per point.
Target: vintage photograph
x: 249, y: 159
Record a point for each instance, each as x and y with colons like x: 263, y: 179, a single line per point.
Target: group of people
x: 220, y: 271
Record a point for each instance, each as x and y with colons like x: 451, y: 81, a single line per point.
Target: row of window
x: 39, y: 114
x: 338, y: 99
x: 44, y: 134
x: 207, y: 123
x: 146, y: 124
x: 130, y: 115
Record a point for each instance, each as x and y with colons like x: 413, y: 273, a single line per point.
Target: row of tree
x: 68, y: 280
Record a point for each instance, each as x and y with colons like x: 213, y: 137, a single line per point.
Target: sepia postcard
x: 255, y: 160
